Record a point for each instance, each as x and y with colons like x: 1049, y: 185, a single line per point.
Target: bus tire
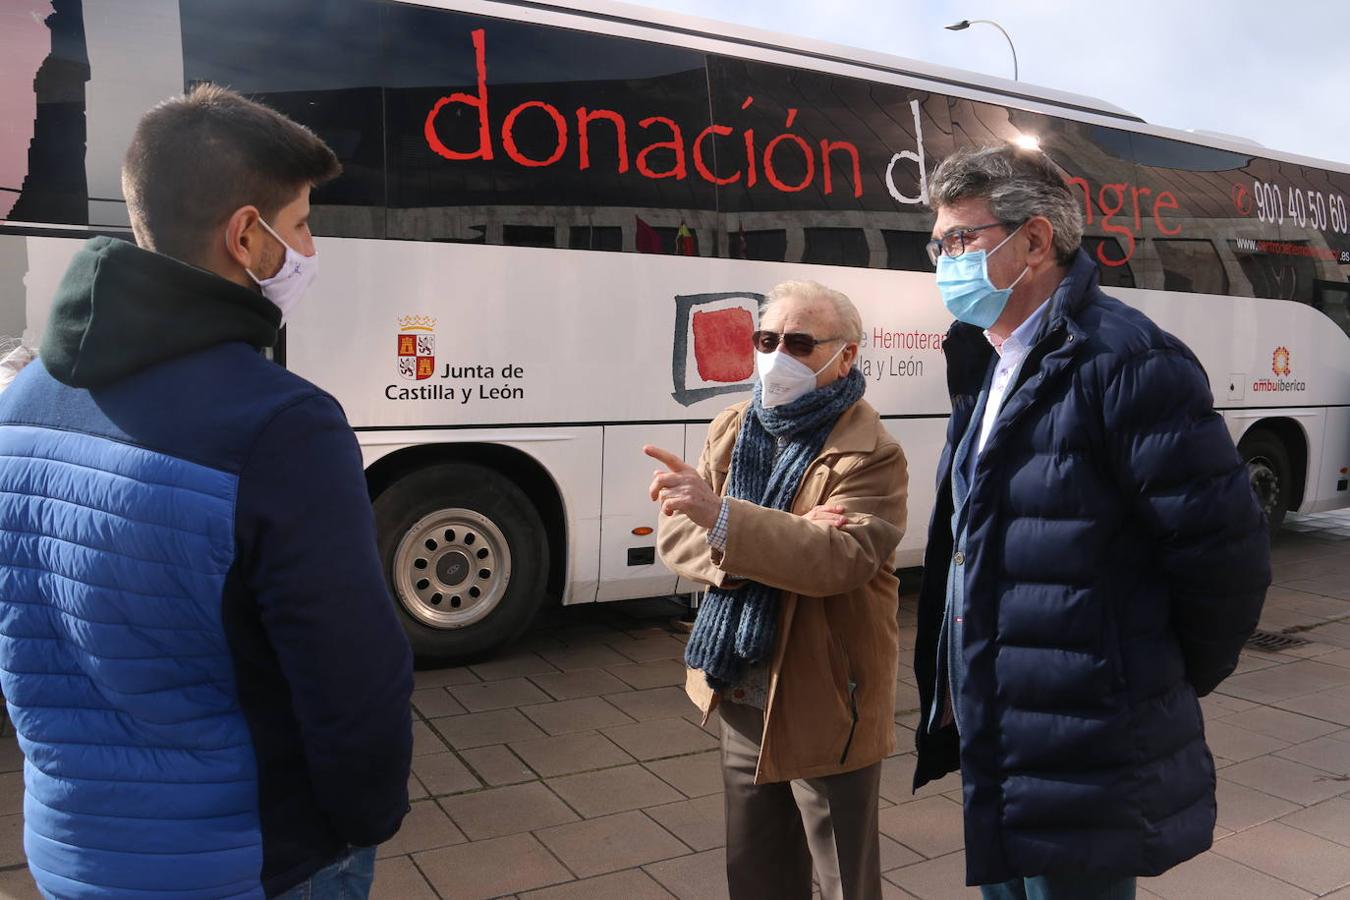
x: 1271, y: 475
x: 466, y: 556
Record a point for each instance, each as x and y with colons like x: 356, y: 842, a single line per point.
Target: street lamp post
x: 966, y: 23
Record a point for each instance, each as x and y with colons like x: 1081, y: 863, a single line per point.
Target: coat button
x: 959, y: 558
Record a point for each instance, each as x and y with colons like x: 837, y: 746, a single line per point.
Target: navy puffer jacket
x: 1116, y: 562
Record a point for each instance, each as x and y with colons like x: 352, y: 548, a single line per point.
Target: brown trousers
x: 776, y: 833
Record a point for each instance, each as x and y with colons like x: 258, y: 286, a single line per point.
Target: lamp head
x: 958, y: 26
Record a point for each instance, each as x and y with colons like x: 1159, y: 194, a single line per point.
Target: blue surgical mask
x: 966, y: 290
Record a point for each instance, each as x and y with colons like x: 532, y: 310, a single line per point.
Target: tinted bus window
x: 1192, y: 265
x: 42, y: 142
x: 836, y: 247
x: 907, y: 250
x: 539, y: 126
x: 324, y: 73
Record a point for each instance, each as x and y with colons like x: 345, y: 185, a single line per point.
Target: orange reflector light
x: 642, y: 531
x: 1345, y: 470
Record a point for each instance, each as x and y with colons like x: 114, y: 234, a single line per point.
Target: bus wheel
x: 466, y: 555
x: 1268, y: 467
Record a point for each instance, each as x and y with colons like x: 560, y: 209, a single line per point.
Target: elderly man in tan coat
x: 791, y: 518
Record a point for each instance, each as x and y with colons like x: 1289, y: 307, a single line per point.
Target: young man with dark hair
x: 204, y: 668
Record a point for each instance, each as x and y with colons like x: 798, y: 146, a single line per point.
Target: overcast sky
x: 1277, y: 73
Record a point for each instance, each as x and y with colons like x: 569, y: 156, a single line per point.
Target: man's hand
x: 682, y: 489
x: 832, y: 516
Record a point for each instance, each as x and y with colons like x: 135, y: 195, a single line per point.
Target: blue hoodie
x: 207, y: 676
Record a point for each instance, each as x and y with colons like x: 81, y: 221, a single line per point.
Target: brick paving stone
x: 1285, y: 681
x: 416, y: 789
x: 1339, y: 657
x: 633, y: 884
x: 487, y: 695
x: 11, y: 793
x: 660, y: 738
x: 943, y: 878
x: 425, y: 740
x: 11, y: 757
x: 1236, y: 744
x: 497, y: 765
x: 1326, y: 753
x: 1285, y: 778
x: 397, y: 878
x: 567, y: 716
x: 568, y: 753
x: 481, y: 729
x: 1286, y: 726
x: 702, y: 876
x: 430, y: 678
x: 657, y: 673
x: 1219, y: 706
x: 1332, y: 706
x: 611, y: 843
x: 512, y: 665
x: 1337, y: 633
x: 1329, y: 819
x: 657, y: 703
x: 895, y: 855
x: 696, y: 775
x: 491, y: 868
x: 613, y: 790
x: 443, y: 773
x: 1212, y: 875
x: 17, y: 884
x: 586, y: 656
x: 932, y: 827
x: 699, y: 823
x: 906, y: 697
x: 436, y: 701
x: 425, y: 827
x: 497, y: 812
x: 646, y: 649
x: 580, y: 683
x: 1241, y: 807
x: 1311, y: 862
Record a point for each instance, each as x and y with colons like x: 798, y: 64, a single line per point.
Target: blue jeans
x: 350, y: 878
x: 1061, y: 887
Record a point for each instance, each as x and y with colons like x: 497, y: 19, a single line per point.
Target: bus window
x: 538, y: 126
x: 1111, y: 276
x: 768, y: 245
x: 836, y: 247
x: 327, y: 77
x: 529, y: 236
x: 1278, y: 276
x: 599, y: 237
x: 1192, y: 266
x: 42, y: 144
x: 907, y: 250
x: 1333, y: 299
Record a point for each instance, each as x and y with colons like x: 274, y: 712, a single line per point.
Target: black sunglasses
x: 798, y: 343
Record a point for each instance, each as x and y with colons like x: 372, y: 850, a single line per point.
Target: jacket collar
x: 120, y: 309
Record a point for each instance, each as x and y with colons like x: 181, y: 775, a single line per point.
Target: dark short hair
x: 1018, y: 183
x: 197, y: 158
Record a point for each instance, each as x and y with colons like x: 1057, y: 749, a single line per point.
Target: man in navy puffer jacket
x: 207, y: 677
x: 1095, y: 561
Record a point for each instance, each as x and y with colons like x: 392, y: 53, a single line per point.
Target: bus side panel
x: 1329, y: 484
x: 624, y: 569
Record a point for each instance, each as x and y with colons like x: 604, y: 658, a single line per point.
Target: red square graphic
x: 722, y: 346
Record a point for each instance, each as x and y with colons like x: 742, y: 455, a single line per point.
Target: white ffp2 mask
x: 286, y: 288
x: 784, y: 378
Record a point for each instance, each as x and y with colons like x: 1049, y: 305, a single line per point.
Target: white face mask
x: 286, y: 287
x: 784, y: 378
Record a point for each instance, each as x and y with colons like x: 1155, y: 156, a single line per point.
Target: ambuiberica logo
x: 461, y: 383
x: 1282, y: 367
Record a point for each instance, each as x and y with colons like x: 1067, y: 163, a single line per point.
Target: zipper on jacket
x: 853, y: 708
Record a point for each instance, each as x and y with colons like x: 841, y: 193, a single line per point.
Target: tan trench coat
x: 837, y: 614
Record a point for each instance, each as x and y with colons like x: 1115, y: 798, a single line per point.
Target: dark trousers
x: 776, y: 833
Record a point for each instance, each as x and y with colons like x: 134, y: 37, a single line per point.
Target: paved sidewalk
x: 573, y: 767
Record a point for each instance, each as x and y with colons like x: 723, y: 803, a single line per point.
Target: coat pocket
x: 846, y: 686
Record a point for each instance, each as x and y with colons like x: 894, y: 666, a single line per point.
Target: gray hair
x: 1018, y: 183
x: 845, y: 313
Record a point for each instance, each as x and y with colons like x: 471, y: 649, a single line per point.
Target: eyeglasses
x: 953, y: 243
x: 798, y: 343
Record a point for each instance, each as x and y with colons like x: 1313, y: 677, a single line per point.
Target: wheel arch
x: 1291, y: 434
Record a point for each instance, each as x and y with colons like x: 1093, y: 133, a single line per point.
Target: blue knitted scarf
x: 736, y: 628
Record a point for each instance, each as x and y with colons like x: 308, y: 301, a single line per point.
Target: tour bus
x: 555, y: 228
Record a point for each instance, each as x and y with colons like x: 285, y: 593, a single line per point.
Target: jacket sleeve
x: 682, y: 545
x: 795, y: 554
x: 310, y: 560
x: 1185, y: 483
